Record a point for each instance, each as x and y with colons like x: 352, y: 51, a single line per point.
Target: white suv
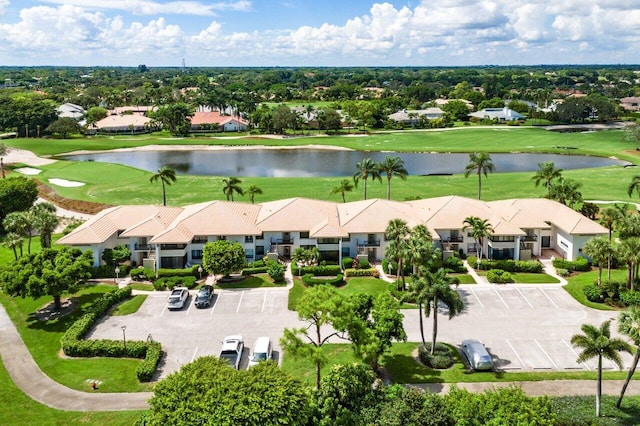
x: 178, y: 298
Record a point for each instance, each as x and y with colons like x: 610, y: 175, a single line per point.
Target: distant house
x: 127, y: 123
x: 631, y: 103
x: 213, y: 121
x: 131, y: 109
x: 443, y: 102
x: 500, y: 114
x: 71, y: 111
x: 412, y: 117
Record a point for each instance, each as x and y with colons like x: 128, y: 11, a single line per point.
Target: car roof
x: 261, y: 344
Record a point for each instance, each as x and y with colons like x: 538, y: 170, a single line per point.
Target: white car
x: 262, y: 351
x: 477, y: 355
x: 178, y: 298
x: 232, y: 347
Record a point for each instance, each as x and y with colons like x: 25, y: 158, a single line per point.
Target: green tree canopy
x: 222, y: 257
x: 63, y: 127
x: 546, y: 173
x: 17, y: 194
x: 209, y: 392
x: 230, y: 186
x: 48, y: 273
x: 95, y: 113
x: 175, y: 117
x: 366, y: 169
x: 329, y: 119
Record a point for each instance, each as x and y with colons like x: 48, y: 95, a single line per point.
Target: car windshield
x: 258, y: 356
x: 203, y: 294
x: 174, y: 299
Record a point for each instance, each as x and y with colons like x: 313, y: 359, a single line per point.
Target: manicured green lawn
x: 43, y: 340
x: 253, y: 281
x: 142, y: 286
x: 305, y: 370
x: 464, y: 278
x: 17, y: 409
x: 129, y: 306
x: 529, y: 278
x: 364, y: 285
x: 577, y: 282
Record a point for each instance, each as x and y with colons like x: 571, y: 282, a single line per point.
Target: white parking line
x: 190, y: 305
x: 240, y: 302
x: 546, y: 354
x: 525, y: 298
x: 194, y: 354
x: 550, y: 299
x: 218, y: 296
x: 264, y: 301
x: 576, y: 354
x: 477, y: 298
x: 498, y: 294
x: 515, y: 352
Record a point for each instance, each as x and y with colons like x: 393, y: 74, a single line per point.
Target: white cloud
x: 148, y: 7
x: 4, y: 4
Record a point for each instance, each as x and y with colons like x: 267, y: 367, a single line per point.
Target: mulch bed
x: 80, y: 206
x: 47, y: 312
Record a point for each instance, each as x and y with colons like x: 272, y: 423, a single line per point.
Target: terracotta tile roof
x: 213, y: 117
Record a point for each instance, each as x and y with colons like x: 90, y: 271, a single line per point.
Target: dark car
x: 204, y: 296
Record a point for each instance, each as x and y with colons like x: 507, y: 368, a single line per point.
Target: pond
x: 322, y: 162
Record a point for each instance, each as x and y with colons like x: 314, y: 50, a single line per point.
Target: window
x: 304, y: 234
x: 198, y: 239
x: 346, y: 252
x: 328, y: 240
x: 248, y: 238
x: 346, y: 239
x: 196, y: 254
x: 222, y: 237
x: 260, y: 250
x: 248, y: 253
x: 260, y: 237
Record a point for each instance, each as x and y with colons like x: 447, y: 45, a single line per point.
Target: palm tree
x: 438, y: 289
x: 597, y: 342
x: 366, y: 169
x: 21, y: 224
x: 418, y: 293
x: 396, y: 231
x: 610, y: 217
x: 392, y: 166
x: 419, y: 248
x: 480, y: 229
x: 345, y: 186
x: 231, y: 185
x: 634, y: 186
x: 3, y: 152
x: 253, y: 191
x: 629, y: 325
x: 45, y: 221
x: 599, y: 250
x: 166, y: 175
x: 13, y: 240
x: 546, y: 172
x: 629, y: 250
x: 479, y: 163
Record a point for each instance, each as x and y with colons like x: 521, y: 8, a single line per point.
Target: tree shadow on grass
x: 405, y: 369
x: 60, y: 324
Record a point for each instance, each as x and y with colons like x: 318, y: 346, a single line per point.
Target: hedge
x: 347, y: 263
x: 186, y: 272
x: 109, y: 271
x: 454, y: 264
x: 441, y: 359
x: 499, y: 276
x: 143, y: 274
x: 322, y: 270
x: 171, y: 282
x: 531, y: 266
x: 254, y: 270
x: 371, y: 272
x: 581, y: 264
x: 310, y: 281
x: 73, y: 344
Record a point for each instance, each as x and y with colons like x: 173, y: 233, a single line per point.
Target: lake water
x: 317, y: 163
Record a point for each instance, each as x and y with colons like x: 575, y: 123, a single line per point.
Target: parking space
x: 189, y: 333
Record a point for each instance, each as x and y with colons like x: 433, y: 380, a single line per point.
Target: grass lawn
x: 530, y: 278
x: 43, y: 340
x: 253, y: 281
x: 17, y: 409
x: 578, y: 281
x: 141, y: 286
x: 364, y: 285
x: 129, y: 306
x: 464, y: 278
x: 116, y: 184
x: 305, y: 370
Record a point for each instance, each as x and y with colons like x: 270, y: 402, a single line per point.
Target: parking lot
x: 191, y: 332
x: 524, y: 327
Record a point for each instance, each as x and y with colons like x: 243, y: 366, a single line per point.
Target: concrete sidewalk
x: 27, y: 376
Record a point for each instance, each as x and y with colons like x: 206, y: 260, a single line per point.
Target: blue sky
x: 318, y: 33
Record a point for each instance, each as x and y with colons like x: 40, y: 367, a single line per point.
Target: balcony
x: 172, y: 246
x: 142, y: 247
x: 282, y: 241
x: 368, y: 243
x: 528, y: 238
x: 453, y: 239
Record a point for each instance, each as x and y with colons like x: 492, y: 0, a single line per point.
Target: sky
x: 318, y: 32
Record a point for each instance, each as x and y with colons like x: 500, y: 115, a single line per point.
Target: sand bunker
x: 28, y: 171
x: 65, y: 183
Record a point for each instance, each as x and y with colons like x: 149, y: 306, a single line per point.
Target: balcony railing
x: 502, y: 239
x: 172, y: 246
x: 287, y: 241
x: 529, y: 238
x: 368, y: 243
x: 142, y: 247
x: 453, y: 239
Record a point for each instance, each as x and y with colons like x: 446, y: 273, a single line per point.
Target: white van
x: 261, y: 351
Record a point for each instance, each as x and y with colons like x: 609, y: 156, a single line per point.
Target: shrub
x: 310, y: 281
x: 630, y: 298
x: 531, y: 266
x: 254, y: 270
x: 347, y: 263
x: 454, y: 264
x: 441, y: 359
x: 407, y: 269
x: 364, y: 264
x: 593, y: 293
x: 580, y: 264
x: 276, y: 272
x: 143, y: 274
x: 371, y: 272
x: 171, y: 282
x: 109, y: 271
x: 186, y: 272
x: 472, y: 261
x: 322, y: 270
x: 563, y: 272
x: 499, y: 276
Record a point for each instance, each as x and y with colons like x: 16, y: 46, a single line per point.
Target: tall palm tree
x: 546, y: 172
x: 253, y: 191
x: 45, y: 222
x: 21, y: 224
x: 231, y: 185
x: 392, y: 166
x: 629, y: 250
x: 3, y: 152
x: 480, y: 229
x: 599, y: 250
x: 345, y: 186
x: 439, y: 291
x: 634, y: 185
x: 597, y: 342
x: 479, y: 163
x: 366, y: 169
x: 396, y: 231
x: 13, y: 241
x: 418, y: 292
x: 629, y: 325
x: 419, y: 248
x: 166, y: 175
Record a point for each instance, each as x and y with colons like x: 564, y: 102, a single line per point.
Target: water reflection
x: 317, y: 163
